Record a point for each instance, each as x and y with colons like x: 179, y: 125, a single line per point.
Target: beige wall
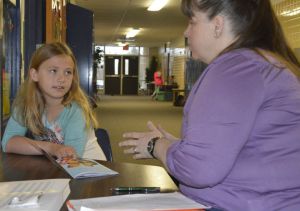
x: 290, y: 23
x: 178, y: 43
x: 177, y: 62
x: 178, y: 66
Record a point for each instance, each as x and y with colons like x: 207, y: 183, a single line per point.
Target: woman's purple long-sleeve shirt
x: 240, y: 148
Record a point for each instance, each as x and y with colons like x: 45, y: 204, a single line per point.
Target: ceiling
x: 113, y: 18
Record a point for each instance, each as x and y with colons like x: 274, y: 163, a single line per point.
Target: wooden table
x: 21, y: 167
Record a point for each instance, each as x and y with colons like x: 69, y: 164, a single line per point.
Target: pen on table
x: 137, y: 189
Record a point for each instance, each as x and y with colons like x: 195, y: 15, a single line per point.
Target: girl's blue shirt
x: 69, y: 129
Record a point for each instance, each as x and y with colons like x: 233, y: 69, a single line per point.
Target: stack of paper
x: 156, y: 201
x: 34, y: 195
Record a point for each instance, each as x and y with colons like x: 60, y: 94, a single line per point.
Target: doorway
x: 121, y: 75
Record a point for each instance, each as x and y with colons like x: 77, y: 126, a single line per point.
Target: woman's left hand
x: 137, y: 142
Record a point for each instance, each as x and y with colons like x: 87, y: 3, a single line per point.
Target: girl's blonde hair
x: 29, y: 104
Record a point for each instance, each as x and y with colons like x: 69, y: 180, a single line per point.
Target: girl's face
x: 200, y: 35
x: 54, y: 77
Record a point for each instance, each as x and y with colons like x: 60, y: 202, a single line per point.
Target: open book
x: 82, y: 168
x: 79, y: 167
x: 34, y: 195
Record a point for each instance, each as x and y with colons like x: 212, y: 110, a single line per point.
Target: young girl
x: 157, y: 82
x: 51, y: 106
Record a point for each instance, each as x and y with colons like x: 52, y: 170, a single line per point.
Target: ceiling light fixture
x: 157, y: 5
x: 125, y: 39
x: 132, y: 33
x: 291, y: 12
x: 121, y: 44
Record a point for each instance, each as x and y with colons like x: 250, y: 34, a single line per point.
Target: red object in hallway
x: 158, y: 78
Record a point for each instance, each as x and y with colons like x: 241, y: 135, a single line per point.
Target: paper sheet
x: 157, y: 201
x: 50, y: 193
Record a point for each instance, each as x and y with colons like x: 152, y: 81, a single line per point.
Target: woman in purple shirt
x: 240, y: 143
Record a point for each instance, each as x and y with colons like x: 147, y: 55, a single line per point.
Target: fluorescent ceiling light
x: 276, y: 1
x: 132, y: 33
x: 157, y: 5
x: 125, y: 39
x: 121, y: 44
x: 291, y: 12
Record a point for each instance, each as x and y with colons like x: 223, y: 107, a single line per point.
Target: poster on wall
x: 56, y: 20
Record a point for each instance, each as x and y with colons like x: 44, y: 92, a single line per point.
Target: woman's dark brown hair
x: 254, y: 23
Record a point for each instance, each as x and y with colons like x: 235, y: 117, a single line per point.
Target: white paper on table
x: 156, y: 201
x: 50, y: 194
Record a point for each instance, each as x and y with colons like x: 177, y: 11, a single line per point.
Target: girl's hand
x: 61, y: 151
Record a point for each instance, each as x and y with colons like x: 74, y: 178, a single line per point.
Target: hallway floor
x: 119, y: 114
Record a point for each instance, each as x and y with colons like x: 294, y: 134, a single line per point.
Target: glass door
x: 130, y: 75
x: 112, y: 75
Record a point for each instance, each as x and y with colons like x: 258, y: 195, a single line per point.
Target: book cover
x: 34, y: 195
x: 83, y: 168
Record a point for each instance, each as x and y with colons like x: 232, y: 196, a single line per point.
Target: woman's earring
x: 217, y: 32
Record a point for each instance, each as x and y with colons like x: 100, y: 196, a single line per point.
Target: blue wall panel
x: 35, y: 28
x: 79, y: 37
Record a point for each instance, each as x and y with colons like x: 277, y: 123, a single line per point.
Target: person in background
x: 172, y: 82
x: 51, y: 106
x: 158, y: 82
x: 239, y: 149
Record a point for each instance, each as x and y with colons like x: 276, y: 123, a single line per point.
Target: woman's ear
x: 33, y: 74
x: 219, y: 26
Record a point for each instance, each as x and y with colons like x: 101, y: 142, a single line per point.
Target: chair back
x: 104, y: 142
